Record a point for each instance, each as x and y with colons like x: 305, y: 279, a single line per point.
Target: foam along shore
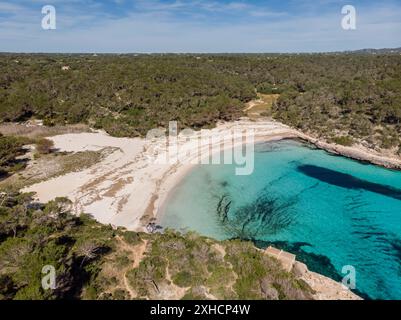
x: 128, y: 187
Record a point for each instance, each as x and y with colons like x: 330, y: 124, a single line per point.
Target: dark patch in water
x: 315, y: 262
x: 223, y: 207
x: 224, y: 184
x: 265, y: 215
x: 348, y: 181
x: 395, y: 245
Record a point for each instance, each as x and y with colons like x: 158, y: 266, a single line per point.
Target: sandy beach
x: 129, y: 187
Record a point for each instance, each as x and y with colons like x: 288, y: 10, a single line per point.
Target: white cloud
x: 267, y: 13
x: 7, y: 7
x: 155, y: 29
x: 222, y: 7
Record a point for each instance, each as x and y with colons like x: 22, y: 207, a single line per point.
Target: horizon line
x: 199, y: 53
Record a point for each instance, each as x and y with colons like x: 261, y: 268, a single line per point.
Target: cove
x: 328, y: 210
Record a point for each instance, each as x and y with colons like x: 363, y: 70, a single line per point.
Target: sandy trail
x: 128, y: 187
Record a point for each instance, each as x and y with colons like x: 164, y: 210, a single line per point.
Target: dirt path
x: 136, y: 253
x: 260, y: 107
x: 175, y: 292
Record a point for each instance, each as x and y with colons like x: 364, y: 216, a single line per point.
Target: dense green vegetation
x: 354, y: 96
x: 34, y: 235
x: 12, y: 152
x: 332, y: 95
x: 10, y: 149
x: 224, y: 270
x: 85, y: 253
x: 126, y: 95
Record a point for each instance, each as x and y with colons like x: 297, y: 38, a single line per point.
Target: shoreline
x: 355, y: 152
x: 163, y: 200
x: 126, y: 189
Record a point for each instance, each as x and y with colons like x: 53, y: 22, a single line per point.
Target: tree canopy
x: 332, y: 95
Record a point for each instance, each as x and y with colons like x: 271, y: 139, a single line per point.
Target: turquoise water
x: 329, y: 210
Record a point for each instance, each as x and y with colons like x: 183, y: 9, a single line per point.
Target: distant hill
x: 377, y: 51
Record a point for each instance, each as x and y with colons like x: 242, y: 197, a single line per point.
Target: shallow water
x: 329, y: 210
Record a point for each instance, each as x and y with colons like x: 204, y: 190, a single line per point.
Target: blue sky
x: 198, y: 26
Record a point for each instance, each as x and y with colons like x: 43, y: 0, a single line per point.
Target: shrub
x: 44, y: 146
x: 344, y: 141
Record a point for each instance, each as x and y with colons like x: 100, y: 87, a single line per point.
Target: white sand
x: 126, y: 185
